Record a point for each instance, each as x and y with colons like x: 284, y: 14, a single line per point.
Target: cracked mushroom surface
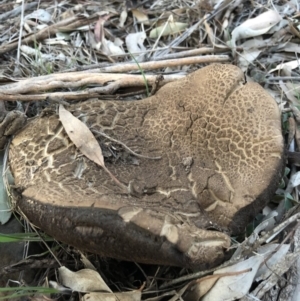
x: 221, y: 151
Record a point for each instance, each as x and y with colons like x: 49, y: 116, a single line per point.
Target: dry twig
x: 32, y: 89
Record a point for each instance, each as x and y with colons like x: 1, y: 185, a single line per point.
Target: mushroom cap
x: 221, y: 151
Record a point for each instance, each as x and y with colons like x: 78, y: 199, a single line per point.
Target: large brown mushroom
x: 221, y: 151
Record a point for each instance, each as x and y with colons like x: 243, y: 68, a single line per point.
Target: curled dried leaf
x: 84, y: 280
x: 255, y: 26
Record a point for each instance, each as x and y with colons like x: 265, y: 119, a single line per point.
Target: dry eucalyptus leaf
x: 209, y: 31
x: 140, y: 16
x: 294, y: 88
x: 197, y: 289
x: 41, y: 15
x: 84, y: 140
x: 247, y: 57
x: 289, y: 47
x: 167, y: 29
x: 59, y: 287
x: 112, y: 48
x: 289, y: 65
x: 295, y: 179
x: 134, y: 42
x: 5, y: 210
x: 85, y: 280
x: 99, y: 28
x: 81, y: 136
x: 289, y: 93
x: 56, y: 41
x: 234, y: 287
x: 255, y: 26
x: 86, y: 263
x: 267, y: 267
x: 42, y: 57
x: 123, y: 18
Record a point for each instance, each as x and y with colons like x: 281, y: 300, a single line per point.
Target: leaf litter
x: 261, y: 37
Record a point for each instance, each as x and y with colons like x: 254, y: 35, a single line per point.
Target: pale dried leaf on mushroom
x: 84, y: 140
x: 124, y: 296
x: 80, y: 134
x: 255, y: 26
x: 84, y: 280
x: 234, y: 287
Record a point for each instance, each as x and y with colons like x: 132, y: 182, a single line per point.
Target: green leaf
x: 4, y: 238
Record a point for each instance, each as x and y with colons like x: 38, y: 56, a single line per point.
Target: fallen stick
x: 164, y: 63
x: 108, y: 82
x: 33, y: 89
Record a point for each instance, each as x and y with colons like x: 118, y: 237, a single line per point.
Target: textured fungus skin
x: 221, y: 154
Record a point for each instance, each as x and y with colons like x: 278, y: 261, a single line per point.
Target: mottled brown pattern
x: 221, y: 152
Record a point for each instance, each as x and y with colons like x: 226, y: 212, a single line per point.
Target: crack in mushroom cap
x: 221, y: 151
